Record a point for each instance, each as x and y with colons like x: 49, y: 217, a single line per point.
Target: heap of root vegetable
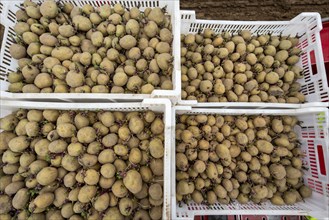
x: 239, y: 158
x: 240, y: 68
x: 62, y: 48
x: 81, y: 165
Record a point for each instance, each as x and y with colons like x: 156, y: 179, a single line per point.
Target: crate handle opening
x: 313, y: 63
x: 322, y: 162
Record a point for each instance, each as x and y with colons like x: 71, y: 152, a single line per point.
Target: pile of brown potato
x: 240, y: 68
x: 239, y: 158
x: 81, y: 165
x: 62, y: 48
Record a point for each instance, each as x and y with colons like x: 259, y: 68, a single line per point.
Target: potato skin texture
x: 133, y: 181
x: 47, y: 175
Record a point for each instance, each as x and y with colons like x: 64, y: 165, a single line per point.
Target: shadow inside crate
x: 2, y: 30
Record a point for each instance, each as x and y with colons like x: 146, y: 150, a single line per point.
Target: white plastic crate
x: 157, y: 105
x: 305, y: 25
x: 8, y: 9
x: 314, y: 137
